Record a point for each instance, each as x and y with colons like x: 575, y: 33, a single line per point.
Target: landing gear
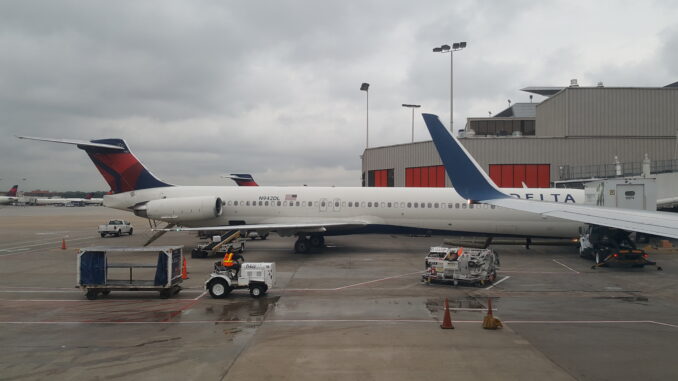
x: 317, y: 240
x: 302, y: 245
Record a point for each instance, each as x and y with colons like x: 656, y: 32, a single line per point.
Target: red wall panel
x: 544, y: 175
x: 441, y: 176
x: 518, y: 175
x: 416, y: 174
x: 495, y: 174
x: 531, y: 176
x: 506, y: 176
x: 408, y: 177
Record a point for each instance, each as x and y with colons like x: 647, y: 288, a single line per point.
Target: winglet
x: 468, y: 179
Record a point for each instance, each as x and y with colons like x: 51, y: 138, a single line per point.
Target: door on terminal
x: 515, y: 175
x: 432, y: 177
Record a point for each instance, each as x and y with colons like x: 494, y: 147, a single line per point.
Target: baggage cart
x: 94, y: 270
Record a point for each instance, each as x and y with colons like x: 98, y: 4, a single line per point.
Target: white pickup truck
x: 116, y: 228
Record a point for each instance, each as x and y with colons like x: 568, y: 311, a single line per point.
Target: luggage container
x: 94, y: 270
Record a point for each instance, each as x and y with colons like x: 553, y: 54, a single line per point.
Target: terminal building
x: 576, y: 133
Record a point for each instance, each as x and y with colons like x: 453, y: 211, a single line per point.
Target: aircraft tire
x: 302, y: 246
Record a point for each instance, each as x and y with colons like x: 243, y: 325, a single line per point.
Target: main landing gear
x: 304, y: 244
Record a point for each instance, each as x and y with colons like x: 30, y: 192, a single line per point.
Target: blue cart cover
x: 93, y: 268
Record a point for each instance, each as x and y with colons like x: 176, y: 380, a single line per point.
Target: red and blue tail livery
x: 244, y: 179
x: 120, y: 168
x: 12, y: 191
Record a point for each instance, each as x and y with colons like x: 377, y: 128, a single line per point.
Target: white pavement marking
x: 21, y: 250
x: 350, y: 285
x: 496, y: 283
x: 566, y: 266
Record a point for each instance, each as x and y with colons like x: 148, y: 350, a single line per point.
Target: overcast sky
x: 199, y: 89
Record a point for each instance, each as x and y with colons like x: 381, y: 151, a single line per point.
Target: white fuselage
x: 6, y: 200
x: 383, y: 209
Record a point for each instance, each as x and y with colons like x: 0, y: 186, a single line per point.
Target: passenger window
x: 449, y: 206
x: 389, y: 204
x: 303, y: 203
x: 409, y: 204
x: 492, y: 206
x: 456, y: 205
x: 435, y: 205
x: 278, y: 203
x: 284, y: 203
x: 463, y: 206
x: 336, y: 204
x: 416, y: 204
x: 402, y: 205
x: 429, y: 205
x: 470, y: 206
x: 369, y: 204
x: 265, y: 203
x: 362, y: 204
x: 297, y: 203
x: 343, y: 204
x: 350, y: 204
x: 230, y: 203
x: 356, y: 204
x: 322, y: 203
x: 248, y: 203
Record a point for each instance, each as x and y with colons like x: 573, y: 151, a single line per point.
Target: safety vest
x: 228, y: 260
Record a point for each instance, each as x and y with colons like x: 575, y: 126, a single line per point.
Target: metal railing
x: 569, y: 172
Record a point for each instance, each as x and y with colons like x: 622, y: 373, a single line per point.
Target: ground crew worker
x: 231, y: 262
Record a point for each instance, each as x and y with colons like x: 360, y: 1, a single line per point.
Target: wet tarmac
x: 355, y: 310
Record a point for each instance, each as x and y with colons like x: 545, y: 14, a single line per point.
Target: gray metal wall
x: 601, y: 111
x: 525, y: 150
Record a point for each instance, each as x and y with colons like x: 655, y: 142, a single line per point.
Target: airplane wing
x: 472, y: 183
x: 284, y: 229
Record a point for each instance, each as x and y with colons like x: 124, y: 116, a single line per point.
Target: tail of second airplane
x: 244, y: 179
x: 117, y: 164
x: 12, y: 191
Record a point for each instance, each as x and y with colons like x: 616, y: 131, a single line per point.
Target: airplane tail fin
x: 115, y: 161
x: 244, y: 180
x: 468, y: 178
x: 13, y: 190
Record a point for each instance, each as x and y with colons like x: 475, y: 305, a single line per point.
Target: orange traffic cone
x: 63, y: 244
x: 447, y: 319
x: 184, y: 272
x: 489, y: 321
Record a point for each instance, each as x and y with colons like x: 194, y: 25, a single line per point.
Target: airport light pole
x: 365, y: 87
x: 447, y: 49
x: 412, y: 107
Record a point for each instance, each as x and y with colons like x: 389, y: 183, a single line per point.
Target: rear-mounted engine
x: 181, y: 208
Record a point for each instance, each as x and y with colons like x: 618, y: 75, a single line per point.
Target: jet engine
x: 181, y: 209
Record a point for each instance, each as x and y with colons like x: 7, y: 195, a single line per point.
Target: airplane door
x: 323, y: 205
x: 336, y: 204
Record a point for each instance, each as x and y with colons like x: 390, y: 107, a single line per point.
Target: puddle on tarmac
x: 243, y: 309
x: 435, y: 305
x: 628, y: 299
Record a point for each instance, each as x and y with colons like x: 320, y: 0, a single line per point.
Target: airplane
x: 473, y: 184
x: 10, y: 197
x: 311, y: 213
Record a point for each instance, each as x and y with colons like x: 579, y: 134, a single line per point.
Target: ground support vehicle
x: 257, y: 277
x: 116, y: 228
x: 229, y: 242
x: 461, y: 265
x: 95, y: 275
x: 610, y: 246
